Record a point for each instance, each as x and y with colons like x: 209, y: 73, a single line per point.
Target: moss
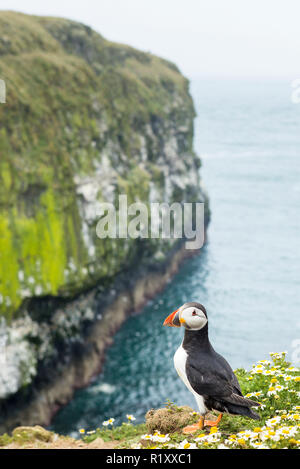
x: 5, y: 439
x: 22, y: 435
x: 39, y: 247
x: 8, y: 269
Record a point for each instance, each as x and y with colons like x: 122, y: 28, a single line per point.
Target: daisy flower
x: 158, y: 437
x: 146, y: 437
x: 258, y: 445
x: 273, y: 421
x: 108, y: 422
x: 185, y: 444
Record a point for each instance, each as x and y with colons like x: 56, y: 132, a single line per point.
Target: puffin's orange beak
x: 169, y: 320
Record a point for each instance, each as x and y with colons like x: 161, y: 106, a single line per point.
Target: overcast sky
x: 259, y: 38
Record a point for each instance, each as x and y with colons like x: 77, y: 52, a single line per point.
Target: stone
x: 30, y: 434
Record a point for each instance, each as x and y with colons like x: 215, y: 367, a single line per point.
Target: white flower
x: 108, y: 422
x: 254, y: 394
x: 278, y: 387
x: 268, y: 372
x: 160, y: 438
x: 258, y: 445
x: 246, y: 434
x: 287, y: 432
x: 210, y: 438
x: 185, y: 444
x: 292, y: 368
x: 273, y: 421
x: 269, y: 435
x: 257, y: 370
x: 146, y: 437
x: 231, y: 441
x: 130, y: 417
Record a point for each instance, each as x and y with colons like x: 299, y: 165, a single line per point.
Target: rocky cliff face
x: 85, y: 120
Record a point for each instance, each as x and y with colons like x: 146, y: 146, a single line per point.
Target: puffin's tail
x: 240, y: 405
x: 253, y: 415
x: 246, y: 411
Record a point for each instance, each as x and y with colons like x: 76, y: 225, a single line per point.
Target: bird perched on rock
x: 206, y: 373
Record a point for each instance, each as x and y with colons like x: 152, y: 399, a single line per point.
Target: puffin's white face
x: 192, y: 318
x: 190, y: 315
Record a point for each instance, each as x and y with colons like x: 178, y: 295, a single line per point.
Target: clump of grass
x: 170, y: 418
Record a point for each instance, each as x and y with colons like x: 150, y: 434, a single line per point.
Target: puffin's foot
x: 195, y: 427
x: 213, y: 423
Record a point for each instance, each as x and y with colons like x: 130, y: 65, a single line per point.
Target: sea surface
x: 248, y: 136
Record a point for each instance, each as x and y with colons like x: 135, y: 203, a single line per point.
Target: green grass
x: 124, y: 433
x: 278, y: 428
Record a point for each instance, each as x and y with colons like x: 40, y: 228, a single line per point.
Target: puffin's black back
x: 211, y: 376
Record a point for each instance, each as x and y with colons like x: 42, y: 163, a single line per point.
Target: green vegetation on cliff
x: 274, y: 383
x: 85, y: 120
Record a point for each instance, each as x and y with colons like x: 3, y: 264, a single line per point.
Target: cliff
x: 85, y: 120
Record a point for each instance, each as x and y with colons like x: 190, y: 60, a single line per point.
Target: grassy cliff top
x: 274, y: 383
x: 22, y: 33
x: 62, y: 73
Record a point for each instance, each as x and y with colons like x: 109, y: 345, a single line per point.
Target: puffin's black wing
x: 228, y: 372
x: 211, y: 376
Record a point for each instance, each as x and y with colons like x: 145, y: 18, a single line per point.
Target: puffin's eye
x: 194, y: 313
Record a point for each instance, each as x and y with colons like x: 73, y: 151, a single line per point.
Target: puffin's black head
x: 191, y: 315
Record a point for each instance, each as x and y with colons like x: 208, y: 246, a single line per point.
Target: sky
x: 205, y: 38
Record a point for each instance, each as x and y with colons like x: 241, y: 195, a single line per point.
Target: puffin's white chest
x: 180, y: 358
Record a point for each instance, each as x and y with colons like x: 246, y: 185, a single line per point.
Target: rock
x: 18, y: 358
x: 98, y: 443
x: 31, y: 434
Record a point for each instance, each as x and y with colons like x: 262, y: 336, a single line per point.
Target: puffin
x: 206, y: 373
